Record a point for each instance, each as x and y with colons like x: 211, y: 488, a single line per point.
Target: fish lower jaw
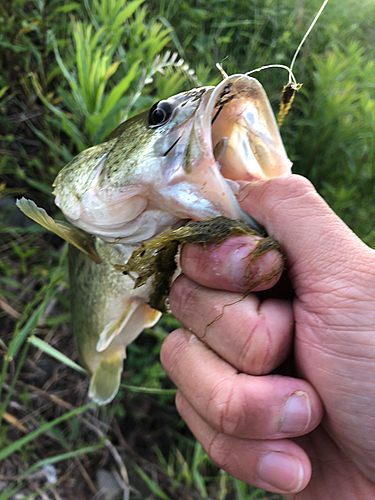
x: 144, y: 227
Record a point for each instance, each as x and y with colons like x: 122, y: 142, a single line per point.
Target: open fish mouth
x: 246, y: 142
x: 234, y: 139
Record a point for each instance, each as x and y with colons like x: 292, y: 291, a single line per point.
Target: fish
x: 185, y: 159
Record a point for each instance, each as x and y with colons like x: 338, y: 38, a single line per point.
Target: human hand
x: 247, y: 419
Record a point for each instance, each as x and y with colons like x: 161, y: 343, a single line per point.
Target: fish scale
x: 155, y: 172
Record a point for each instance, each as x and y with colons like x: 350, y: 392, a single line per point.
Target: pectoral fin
x: 80, y: 239
x: 137, y: 315
x: 105, y: 381
x: 151, y: 316
x: 115, y: 337
x: 116, y: 326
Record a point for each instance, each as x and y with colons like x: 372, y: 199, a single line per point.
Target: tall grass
x: 69, y: 73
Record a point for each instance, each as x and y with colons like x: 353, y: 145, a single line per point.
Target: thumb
x: 313, y: 238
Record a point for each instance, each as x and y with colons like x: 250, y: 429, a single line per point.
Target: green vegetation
x: 69, y: 73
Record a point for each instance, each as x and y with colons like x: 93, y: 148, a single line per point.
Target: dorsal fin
x: 80, y: 239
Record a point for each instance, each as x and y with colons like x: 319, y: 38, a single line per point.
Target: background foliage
x: 69, y: 73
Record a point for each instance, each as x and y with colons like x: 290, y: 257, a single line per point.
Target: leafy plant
x: 335, y: 139
x: 69, y: 73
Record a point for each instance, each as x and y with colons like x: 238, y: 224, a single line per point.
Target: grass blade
x: 17, y: 445
x: 11, y: 490
x: 119, y: 90
x: 152, y: 486
x: 128, y: 11
x: 29, y: 327
x: 149, y: 390
x: 54, y: 353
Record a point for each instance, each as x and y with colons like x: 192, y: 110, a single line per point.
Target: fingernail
x: 296, y: 413
x: 283, y: 472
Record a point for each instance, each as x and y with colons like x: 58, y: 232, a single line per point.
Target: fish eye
x: 159, y: 114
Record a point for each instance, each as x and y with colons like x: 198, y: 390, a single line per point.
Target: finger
x: 279, y: 466
x: 229, y: 266
x: 239, y: 405
x: 253, y: 336
x: 306, y: 227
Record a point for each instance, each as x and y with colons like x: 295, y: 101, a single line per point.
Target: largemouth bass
x: 184, y: 159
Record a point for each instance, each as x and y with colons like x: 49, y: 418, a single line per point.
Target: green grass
x: 69, y: 73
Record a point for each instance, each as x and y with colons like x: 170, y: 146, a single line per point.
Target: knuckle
x: 291, y: 186
x: 183, y: 298
x: 256, y: 354
x: 192, y: 259
x: 219, y: 451
x: 172, y: 351
x: 225, y: 408
x: 286, y: 189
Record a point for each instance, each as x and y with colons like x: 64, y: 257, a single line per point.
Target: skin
x: 304, y: 429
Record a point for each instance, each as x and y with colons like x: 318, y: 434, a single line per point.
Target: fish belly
x: 107, y: 315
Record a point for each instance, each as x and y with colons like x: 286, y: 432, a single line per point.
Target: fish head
x: 233, y: 138
x: 183, y: 159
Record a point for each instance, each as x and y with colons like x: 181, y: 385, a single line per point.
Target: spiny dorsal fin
x: 80, y: 239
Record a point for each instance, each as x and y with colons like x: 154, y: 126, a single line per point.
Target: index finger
x: 231, y: 265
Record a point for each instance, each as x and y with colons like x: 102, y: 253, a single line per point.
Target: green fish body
x: 185, y: 159
x: 111, y: 309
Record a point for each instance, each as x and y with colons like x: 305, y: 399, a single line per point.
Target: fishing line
x: 289, y: 90
x: 307, y: 34
x: 292, y: 86
x: 292, y: 79
x: 223, y: 73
